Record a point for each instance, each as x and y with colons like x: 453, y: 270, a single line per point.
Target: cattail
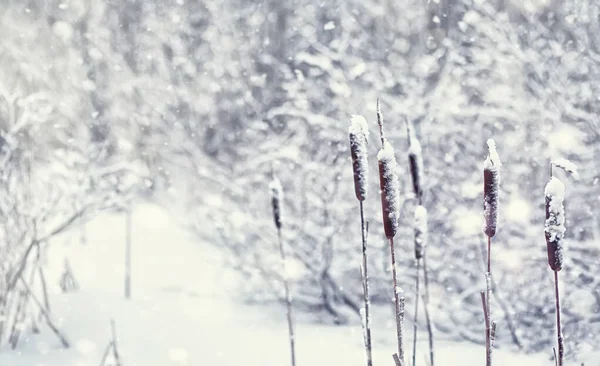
x: 555, y: 222
x: 491, y: 181
x: 359, y: 139
x: 390, y: 189
x: 415, y: 161
x: 420, y: 231
x: 390, y: 205
x: 276, y: 198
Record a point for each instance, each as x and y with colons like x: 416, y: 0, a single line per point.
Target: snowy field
x: 183, y: 310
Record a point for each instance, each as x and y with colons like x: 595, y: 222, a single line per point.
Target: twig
x: 426, y: 277
x: 417, y: 298
x: 365, y: 280
x: 114, y: 343
x: 105, y: 354
x: 60, y: 336
x: 429, y: 332
x: 559, y: 336
x: 399, y: 302
x: 503, y: 305
x: 488, y: 321
x: 288, y: 299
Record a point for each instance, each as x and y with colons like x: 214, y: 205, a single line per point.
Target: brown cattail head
x: 390, y: 189
x: 420, y: 231
x: 415, y: 161
x: 491, y: 183
x: 276, y: 199
x: 555, y: 222
x: 359, y: 139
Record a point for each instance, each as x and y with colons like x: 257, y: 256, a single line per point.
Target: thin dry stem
x: 380, y: 121
x: 288, y: 299
x: 488, y: 320
x: 417, y: 291
x: 114, y: 343
x: 365, y: 281
x: 429, y: 332
x: 399, y: 302
x: 559, y: 336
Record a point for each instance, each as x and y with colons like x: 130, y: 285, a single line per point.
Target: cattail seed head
x: 276, y: 199
x: 390, y: 189
x: 415, y: 161
x: 555, y: 222
x: 359, y: 139
x: 491, y: 183
x: 420, y: 231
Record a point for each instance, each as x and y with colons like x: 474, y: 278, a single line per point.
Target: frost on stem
x: 491, y: 182
x: 420, y: 231
x: 359, y: 139
x: 390, y: 189
x: 415, y: 161
x: 555, y: 222
x: 276, y: 198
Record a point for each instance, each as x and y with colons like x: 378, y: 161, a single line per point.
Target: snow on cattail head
x: 390, y: 189
x: 415, y: 161
x: 420, y: 231
x: 491, y: 182
x: 276, y: 198
x: 555, y: 222
x: 359, y: 139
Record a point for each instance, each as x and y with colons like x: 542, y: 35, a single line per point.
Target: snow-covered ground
x: 184, y: 311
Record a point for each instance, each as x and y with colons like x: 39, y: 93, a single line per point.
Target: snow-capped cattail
x: 390, y: 189
x: 276, y: 198
x: 415, y: 161
x: 491, y: 182
x: 420, y: 231
x: 359, y: 139
x: 555, y: 222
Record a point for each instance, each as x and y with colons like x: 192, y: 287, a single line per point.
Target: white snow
x: 420, y: 228
x: 392, y: 189
x: 276, y: 188
x: 183, y: 310
x: 359, y: 138
x: 555, y: 224
x: 566, y: 165
x: 492, y: 165
x: 359, y: 125
x: 415, y: 145
x: 493, y: 160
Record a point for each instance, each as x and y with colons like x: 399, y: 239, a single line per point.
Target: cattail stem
x: 559, y: 336
x: 425, y: 278
x: 488, y: 295
x: 365, y: 279
x: 399, y: 303
x: 288, y: 298
x: 489, y: 255
x: 418, y: 296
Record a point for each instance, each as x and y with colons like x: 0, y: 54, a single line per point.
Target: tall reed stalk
x: 491, y: 183
x: 415, y: 161
x: 554, y: 231
x: 390, y: 205
x: 276, y: 200
x: 359, y: 139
